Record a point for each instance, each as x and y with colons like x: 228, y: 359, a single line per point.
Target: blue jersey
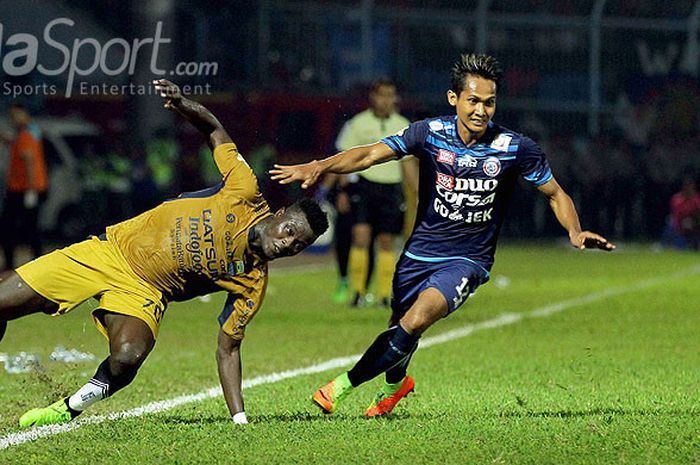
x: 464, y: 191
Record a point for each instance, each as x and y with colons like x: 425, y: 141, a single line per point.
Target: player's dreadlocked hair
x: 314, y: 215
x: 484, y: 66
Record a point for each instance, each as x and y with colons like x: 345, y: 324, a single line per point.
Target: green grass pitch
x: 612, y: 376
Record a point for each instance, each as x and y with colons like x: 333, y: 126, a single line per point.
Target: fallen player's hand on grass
x: 240, y: 418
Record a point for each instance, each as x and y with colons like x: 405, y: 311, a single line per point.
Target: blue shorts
x: 456, y: 280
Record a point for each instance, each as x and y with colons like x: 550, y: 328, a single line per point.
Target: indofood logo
x: 117, y: 56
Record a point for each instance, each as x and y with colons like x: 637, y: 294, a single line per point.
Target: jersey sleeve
x: 408, y: 141
x: 245, y: 297
x: 532, y: 162
x: 238, y: 176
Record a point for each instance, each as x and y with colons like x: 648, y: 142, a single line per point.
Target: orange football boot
x: 384, y: 403
x: 330, y: 395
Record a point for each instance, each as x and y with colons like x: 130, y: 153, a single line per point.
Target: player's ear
x: 281, y: 211
x: 452, y: 98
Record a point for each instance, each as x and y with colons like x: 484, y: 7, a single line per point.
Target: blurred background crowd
x: 609, y: 88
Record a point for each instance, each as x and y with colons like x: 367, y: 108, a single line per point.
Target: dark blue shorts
x: 456, y: 279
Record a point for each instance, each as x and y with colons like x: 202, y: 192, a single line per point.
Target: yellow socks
x: 358, y: 269
x: 386, y: 261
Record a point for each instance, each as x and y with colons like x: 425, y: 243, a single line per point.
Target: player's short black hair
x: 314, y: 215
x: 18, y: 106
x: 381, y: 82
x: 484, y: 66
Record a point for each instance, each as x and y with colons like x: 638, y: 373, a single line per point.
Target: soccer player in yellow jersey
x: 215, y: 239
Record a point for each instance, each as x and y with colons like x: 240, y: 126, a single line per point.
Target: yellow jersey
x: 366, y: 128
x: 197, y: 243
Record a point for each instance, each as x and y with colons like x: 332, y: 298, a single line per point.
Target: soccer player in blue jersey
x: 468, y: 169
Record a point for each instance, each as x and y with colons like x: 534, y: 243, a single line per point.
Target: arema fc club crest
x: 492, y: 166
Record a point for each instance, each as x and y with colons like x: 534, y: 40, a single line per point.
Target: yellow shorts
x: 94, y: 268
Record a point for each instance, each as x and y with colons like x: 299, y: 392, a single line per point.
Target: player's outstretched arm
x: 194, y: 112
x: 565, y: 211
x: 228, y: 360
x: 348, y: 161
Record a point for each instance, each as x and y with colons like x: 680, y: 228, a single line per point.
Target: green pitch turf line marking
x: 14, y: 439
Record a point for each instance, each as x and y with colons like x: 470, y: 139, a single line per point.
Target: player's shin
x: 397, y: 373
x: 389, y: 349
x: 102, y: 385
x: 105, y: 383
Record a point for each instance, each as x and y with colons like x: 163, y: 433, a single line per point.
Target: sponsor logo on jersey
x: 242, y: 320
x: 467, y: 161
x: 236, y: 267
x: 446, y: 157
x: 201, y: 243
x: 436, y: 125
x: 501, y: 142
x: 467, y: 200
x: 475, y: 185
x: 446, y: 181
x: 230, y: 218
x: 492, y: 166
x: 250, y: 303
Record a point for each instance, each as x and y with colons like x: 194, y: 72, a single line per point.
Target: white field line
x: 14, y: 439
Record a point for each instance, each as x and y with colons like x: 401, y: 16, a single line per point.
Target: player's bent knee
x: 130, y: 354
x: 361, y: 235
x: 416, y: 323
x: 430, y: 307
x: 385, y: 242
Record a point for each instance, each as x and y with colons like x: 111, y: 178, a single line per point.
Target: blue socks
x: 391, y: 348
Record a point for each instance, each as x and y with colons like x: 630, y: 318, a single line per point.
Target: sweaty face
x: 475, y: 105
x: 383, y: 101
x: 287, y: 234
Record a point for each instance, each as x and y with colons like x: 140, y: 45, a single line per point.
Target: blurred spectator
x: 106, y: 190
x: 636, y: 120
x: 208, y: 171
x: 162, y: 156
x: 27, y: 183
x: 590, y: 168
x: 261, y: 160
x: 664, y: 167
x: 685, y: 216
x: 144, y: 191
x: 624, y: 175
